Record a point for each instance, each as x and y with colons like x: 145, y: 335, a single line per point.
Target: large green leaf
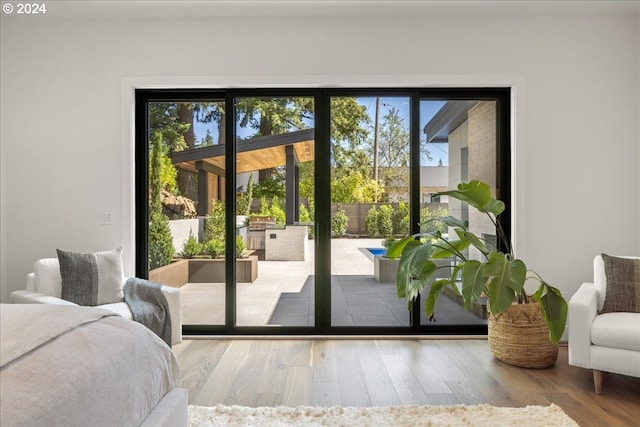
x: 446, y: 249
x: 473, y: 239
x: 473, y: 281
x: 452, y: 221
x: 396, y: 249
x: 496, y: 207
x: 507, y: 280
x: 414, y: 269
x: 554, y: 310
x: 432, y: 296
x: 478, y: 195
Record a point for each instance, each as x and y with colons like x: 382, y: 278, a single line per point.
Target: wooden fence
x: 357, y: 214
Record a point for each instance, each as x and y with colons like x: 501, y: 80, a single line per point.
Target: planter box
x: 213, y: 270
x: 175, y: 274
x: 184, y: 271
x: 386, y: 269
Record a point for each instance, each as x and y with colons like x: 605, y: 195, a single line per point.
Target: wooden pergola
x: 265, y: 152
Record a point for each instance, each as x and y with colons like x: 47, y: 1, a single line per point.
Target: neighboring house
x: 432, y: 180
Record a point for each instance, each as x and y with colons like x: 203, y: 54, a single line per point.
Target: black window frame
x: 322, y: 242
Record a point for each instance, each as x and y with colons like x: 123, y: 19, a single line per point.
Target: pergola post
x: 203, y: 192
x: 291, y: 186
x: 204, y: 199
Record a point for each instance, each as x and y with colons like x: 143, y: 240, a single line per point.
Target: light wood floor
x: 375, y: 372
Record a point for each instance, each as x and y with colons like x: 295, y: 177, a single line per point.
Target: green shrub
x: 264, y: 207
x: 160, y: 241
x: 214, y: 247
x: 371, y: 222
x: 401, y: 220
x: 385, y: 220
x: 277, y: 211
x: 243, y: 201
x: 388, y: 242
x: 168, y: 175
x: 214, y: 224
x: 430, y: 220
x: 305, y: 217
x: 340, y: 222
x: 191, y: 247
x: 241, y: 246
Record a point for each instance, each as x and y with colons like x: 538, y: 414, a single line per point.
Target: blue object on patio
x: 377, y: 251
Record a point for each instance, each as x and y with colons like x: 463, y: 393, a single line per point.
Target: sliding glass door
x: 370, y: 206
x: 272, y: 209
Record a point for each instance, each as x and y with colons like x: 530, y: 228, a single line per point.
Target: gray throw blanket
x: 149, y: 306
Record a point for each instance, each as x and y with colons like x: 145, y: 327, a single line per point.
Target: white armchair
x: 608, y: 342
x: 44, y: 286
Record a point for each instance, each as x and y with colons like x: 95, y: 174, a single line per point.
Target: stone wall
x: 177, y: 207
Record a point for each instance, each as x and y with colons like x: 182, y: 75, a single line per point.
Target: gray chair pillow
x: 93, y: 278
x: 623, y: 284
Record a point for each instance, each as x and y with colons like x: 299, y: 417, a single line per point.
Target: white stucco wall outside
x: 67, y: 82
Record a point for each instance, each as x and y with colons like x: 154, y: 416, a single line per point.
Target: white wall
x: 66, y: 107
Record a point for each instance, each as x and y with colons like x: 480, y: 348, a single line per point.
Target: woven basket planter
x: 520, y: 337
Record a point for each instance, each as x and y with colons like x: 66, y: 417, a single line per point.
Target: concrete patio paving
x: 283, y: 294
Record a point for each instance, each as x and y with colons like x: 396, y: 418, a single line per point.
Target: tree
x: 350, y: 149
x: 394, y: 150
x: 161, y: 248
x: 176, y: 121
x: 273, y: 116
x: 207, y: 140
x: 355, y: 188
x: 160, y: 240
x: 394, y: 140
x: 266, y: 116
x: 154, y: 172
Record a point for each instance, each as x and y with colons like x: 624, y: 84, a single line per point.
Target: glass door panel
x: 186, y: 182
x: 370, y: 142
x: 458, y: 145
x: 274, y: 211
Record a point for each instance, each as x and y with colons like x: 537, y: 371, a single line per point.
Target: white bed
x: 84, y: 366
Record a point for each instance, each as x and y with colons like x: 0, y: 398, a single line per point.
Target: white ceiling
x: 325, y: 8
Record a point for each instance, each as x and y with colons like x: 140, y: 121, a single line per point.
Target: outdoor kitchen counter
x: 286, y: 243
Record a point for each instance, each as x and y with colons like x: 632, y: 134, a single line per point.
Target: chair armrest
x: 28, y: 297
x: 583, y: 309
x: 175, y: 309
x: 31, y: 282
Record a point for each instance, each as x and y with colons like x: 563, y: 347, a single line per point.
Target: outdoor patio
x: 283, y: 294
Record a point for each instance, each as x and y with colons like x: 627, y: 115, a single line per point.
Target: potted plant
x: 498, y: 276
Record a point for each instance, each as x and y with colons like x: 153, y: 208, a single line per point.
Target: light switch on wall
x: 105, y: 218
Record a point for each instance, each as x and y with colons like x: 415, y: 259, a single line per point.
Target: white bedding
x: 79, y: 366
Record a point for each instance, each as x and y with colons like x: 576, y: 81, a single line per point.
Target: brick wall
x: 286, y: 244
x: 482, y: 160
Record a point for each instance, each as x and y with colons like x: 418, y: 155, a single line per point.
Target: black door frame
x: 322, y: 147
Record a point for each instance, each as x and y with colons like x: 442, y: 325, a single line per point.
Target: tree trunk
x: 185, y: 115
x: 222, y: 130
x: 186, y: 180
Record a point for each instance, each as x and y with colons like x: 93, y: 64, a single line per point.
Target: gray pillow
x: 623, y: 284
x: 93, y: 278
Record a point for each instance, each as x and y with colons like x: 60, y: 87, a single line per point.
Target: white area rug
x: 454, y: 416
